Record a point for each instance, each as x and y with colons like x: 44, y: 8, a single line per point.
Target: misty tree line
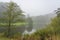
x: 51, y: 32
x: 52, y: 29
x: 12, y: 15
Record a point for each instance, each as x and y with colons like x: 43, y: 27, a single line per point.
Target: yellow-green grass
x: 2, y: 37
x: 13, y: 24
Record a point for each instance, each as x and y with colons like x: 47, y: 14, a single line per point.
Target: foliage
x: 12, y: 15
x: 29, y: 24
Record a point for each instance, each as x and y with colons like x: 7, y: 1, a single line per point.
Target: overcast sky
x: 37, y: 7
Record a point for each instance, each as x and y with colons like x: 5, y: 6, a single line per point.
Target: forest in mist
x: 14, y: 25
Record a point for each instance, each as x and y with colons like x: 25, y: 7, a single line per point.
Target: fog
x: 37, y: 7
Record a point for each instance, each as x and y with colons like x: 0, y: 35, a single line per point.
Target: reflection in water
x: 26, y: 32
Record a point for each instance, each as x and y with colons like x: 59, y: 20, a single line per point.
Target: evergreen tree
x: 58, y: 12
x: 30, y: 24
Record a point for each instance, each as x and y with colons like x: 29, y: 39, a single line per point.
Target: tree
x: 58, y: 12
x: 12, y: 15
x: 30, y: 23
x: 55, y: 23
